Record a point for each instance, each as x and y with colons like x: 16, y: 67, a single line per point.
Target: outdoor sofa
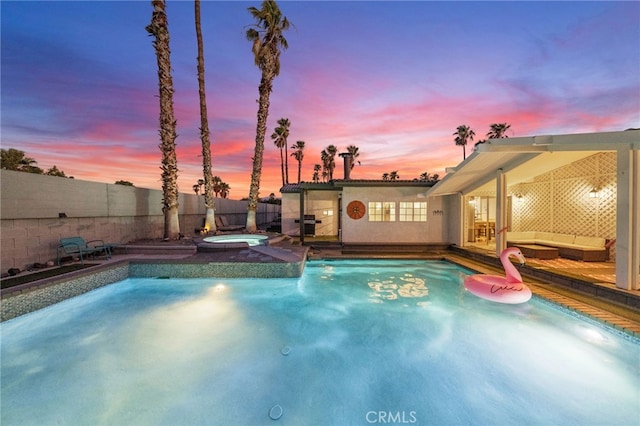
x: 576, y: 247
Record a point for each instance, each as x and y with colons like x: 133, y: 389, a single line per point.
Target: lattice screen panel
x: 559, y: 201
x: 576, y: 213
x: 536, y: 208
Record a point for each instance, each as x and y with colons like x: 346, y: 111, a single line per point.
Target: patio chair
x: 222, y: 224
x: 78, y: 246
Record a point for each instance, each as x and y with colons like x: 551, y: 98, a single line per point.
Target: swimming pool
x: 349, y: 342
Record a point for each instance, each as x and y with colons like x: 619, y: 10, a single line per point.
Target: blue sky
x: 79, y: 82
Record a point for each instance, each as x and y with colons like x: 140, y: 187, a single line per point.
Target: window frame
x: 412, y: 211
x: 381, y: 211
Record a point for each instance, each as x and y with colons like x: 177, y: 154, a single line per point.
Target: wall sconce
x: 594, y: 193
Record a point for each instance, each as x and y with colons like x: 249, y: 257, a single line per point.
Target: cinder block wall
x: 31, y: 207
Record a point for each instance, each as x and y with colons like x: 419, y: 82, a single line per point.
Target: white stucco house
x: 581, y: 185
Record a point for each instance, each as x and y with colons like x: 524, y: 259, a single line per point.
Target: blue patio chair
x: 78, y: 246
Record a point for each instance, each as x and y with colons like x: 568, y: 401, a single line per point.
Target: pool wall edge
x: 31, y: 297
x: 180, y: 269
x: 39, y: 295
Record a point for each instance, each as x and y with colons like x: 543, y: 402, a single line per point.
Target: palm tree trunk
x: 159, y: 28
x: 261, y: 130
x: 286, y: 164
x: 282, y: 166
x: 209, y: 196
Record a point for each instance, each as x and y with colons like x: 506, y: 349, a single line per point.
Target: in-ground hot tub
x: 249, y: 239
x: 230, y: 241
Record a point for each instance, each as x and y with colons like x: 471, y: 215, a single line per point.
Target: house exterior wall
x: 453, y: 210
x: 30, y: 206
x: 363, y: 231
x: 323, y: 204
x: 290, y: 212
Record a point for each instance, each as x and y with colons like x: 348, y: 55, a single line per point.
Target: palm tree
x: 498, y: 131
x: 385, y: 176
x: 298, y: 154
x: 325, y: 160
x: 277, y: 141
x: 331, y: 152
x: 353, y: 152
x: 159, y: 28
x: 217, y: 185
x: 316, y: 173
x: 224, y: 189
x: 428, y: 177
x: 463, y: 135
x: 209, y: 220
x: 394, y: 175
x: 266, y: 36
x: 285, y: 124
x: 279, y: 136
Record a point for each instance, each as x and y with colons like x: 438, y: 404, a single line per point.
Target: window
x: 382, y: 211
x: 413, y: 211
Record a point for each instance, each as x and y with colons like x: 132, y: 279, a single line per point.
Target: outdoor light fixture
x: 594, y: 194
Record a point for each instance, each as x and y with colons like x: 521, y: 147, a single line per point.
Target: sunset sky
x: 79, y: 83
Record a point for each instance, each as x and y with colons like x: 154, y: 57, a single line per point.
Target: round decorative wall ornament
x: 356, y: 209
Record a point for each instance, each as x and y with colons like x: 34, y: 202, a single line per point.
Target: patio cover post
x: 303, y: 192
x: 628, y: 220
x: 501, y: 211
x: 460, y: 208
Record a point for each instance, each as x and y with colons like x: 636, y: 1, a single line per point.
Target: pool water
x: 350, y: 342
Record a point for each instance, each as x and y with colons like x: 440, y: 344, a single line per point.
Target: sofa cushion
x: 590, y: 241
x: 521, y: 236
x: 564, y: 238
x: 587, y: 248
x: 549, y: 243
x: 544, y: 236
x: 561, y: 245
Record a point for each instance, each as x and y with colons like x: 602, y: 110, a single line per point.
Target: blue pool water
x: 350, y: 342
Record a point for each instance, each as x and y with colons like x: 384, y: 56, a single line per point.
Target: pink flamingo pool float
x: 507, y: 289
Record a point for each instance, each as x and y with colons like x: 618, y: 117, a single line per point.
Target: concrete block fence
x: 37, y: 210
